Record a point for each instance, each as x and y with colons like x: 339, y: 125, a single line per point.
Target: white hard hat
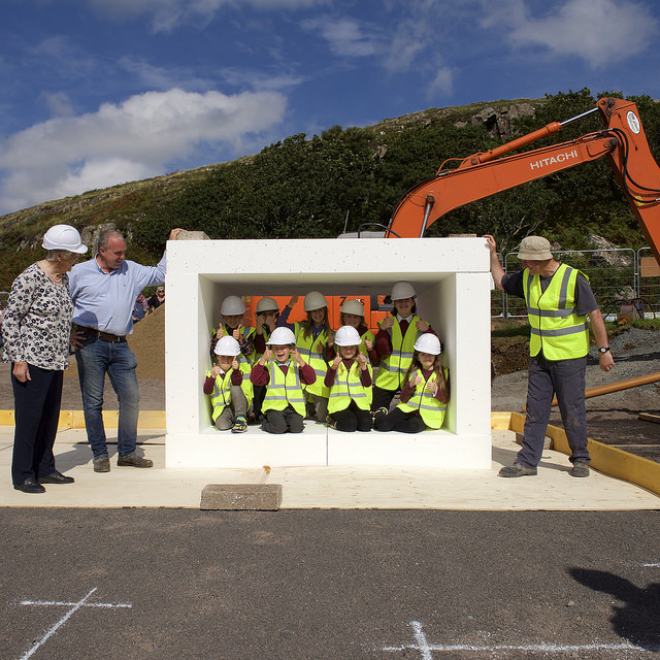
x: 281, y: 337
x: 314, y: 300
x: 354, y: 307
x: 347, y: 336
x: 64, y: 237
x: 267, y: 304
x: 232, y: 306
x: 402, y: 290
x: 428, y: 343
x: 227, y: 345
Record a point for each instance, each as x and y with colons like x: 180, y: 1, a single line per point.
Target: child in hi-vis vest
x: 283, y: 372
x: 424, y: 395
x: 229, y: 387
x: 312, y: 336
x: 349, y: 381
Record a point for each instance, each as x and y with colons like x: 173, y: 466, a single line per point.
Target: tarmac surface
x: 339, y: 585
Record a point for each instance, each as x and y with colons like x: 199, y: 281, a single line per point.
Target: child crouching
x: 349, y: 381
x: 230, y: 392
x: 424, y: 395
x: 283, y: 372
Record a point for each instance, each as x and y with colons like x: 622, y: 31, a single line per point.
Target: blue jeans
x: 95, y: 359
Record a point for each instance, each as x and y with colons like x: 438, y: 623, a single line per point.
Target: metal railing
x: 614, y: 275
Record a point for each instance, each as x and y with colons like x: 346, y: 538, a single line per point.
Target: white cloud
x: 598, y: 31
x: 346, y: 37
x: 443, y: 83
x: 129, y: 141
x: 166, y: 15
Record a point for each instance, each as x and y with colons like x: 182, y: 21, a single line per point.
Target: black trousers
x: 282, y: 421
x: 382, y: 398
x: 397, y: 420
x: 352, y: 419
x: 37, y: 412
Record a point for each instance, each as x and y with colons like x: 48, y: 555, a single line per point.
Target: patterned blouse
x: 36, y: 325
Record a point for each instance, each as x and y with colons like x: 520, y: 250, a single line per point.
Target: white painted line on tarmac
x: 427, y: 650
x: 74, y: 608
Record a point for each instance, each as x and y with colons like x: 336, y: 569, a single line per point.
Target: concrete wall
x: 452, y: 280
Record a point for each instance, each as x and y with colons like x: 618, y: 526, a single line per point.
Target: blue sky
x: 99, y: 92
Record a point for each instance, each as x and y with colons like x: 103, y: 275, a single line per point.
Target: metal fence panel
x: 612, y: 275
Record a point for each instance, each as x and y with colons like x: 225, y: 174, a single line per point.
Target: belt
x: 103, y: 336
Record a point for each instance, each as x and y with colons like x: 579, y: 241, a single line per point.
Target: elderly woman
x: 36, y: 329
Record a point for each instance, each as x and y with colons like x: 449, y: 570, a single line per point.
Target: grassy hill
x: 314, y: 186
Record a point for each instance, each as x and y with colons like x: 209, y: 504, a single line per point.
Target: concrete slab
x: 241, y: 497
x: 344, y: 487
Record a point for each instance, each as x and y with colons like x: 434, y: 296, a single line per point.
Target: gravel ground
x: 611, y: 418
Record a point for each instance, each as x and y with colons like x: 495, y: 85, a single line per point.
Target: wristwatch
x: 604, y: 349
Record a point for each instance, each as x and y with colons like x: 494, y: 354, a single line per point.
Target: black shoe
x: 517, y: 470
x: 30, y: 486
x: 134, y: 461
x: 56, y: 478
x: 579, y: 469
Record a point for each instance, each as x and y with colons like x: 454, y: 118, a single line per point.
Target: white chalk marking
x: 650, y: 565
x: 426, y: 650
x: 74, y: 608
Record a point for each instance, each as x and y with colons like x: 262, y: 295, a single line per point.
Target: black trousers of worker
x: 37, y: 412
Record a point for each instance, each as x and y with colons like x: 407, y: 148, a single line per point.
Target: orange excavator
x: 622, y: 141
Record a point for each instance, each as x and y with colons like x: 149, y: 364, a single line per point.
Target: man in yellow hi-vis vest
x: 559, y: 300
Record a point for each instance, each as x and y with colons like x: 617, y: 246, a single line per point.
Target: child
x: 283, y: 408
x: 312, y: 336
x: 352, y: 313
x: 394, y: 344
x: 232, y: 310
x: 424, y: 395
x: 266, y: 315
x: 349, y: 382
x: 229, y: 387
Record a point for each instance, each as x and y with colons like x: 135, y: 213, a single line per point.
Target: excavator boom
x: 622, y: 141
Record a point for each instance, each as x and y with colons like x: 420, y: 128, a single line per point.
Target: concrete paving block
x: 547, y: 442
x: 241, y: 497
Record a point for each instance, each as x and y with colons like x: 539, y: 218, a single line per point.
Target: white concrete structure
x: 452, y: 280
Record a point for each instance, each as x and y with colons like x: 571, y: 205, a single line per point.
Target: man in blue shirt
x: 103, y: 291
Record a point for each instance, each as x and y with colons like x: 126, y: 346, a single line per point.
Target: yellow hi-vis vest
x: 221, y: 395
x: 307, y: 350
x: 431, y: 410
x: 557, y: 331
x: 347, y: 387
x: 392, y: 368
x: 284, y: 390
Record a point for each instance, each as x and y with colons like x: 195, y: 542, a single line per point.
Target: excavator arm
x: 622, y: 141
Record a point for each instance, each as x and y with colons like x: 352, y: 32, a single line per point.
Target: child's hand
x: 369, y: 344
x: 237, y: 334
x: 296, y: 356
x: 387, y: 323
x: 433, y: 389
x: 417, y: 380
x: 259, y: 321
x: 422, y: 326
x: 362, y: 360
x: 336, y: 362
x: 331, y: 340
x: 268, y: 354
x: 293, y: 301
x: 320, y: 348
x: 221, y: 332
x: 234, y: 364
x: 216, y: 371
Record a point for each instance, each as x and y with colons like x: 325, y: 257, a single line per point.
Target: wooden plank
x: 648, y: 417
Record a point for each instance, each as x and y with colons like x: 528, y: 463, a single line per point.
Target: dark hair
x: 308, y: 323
